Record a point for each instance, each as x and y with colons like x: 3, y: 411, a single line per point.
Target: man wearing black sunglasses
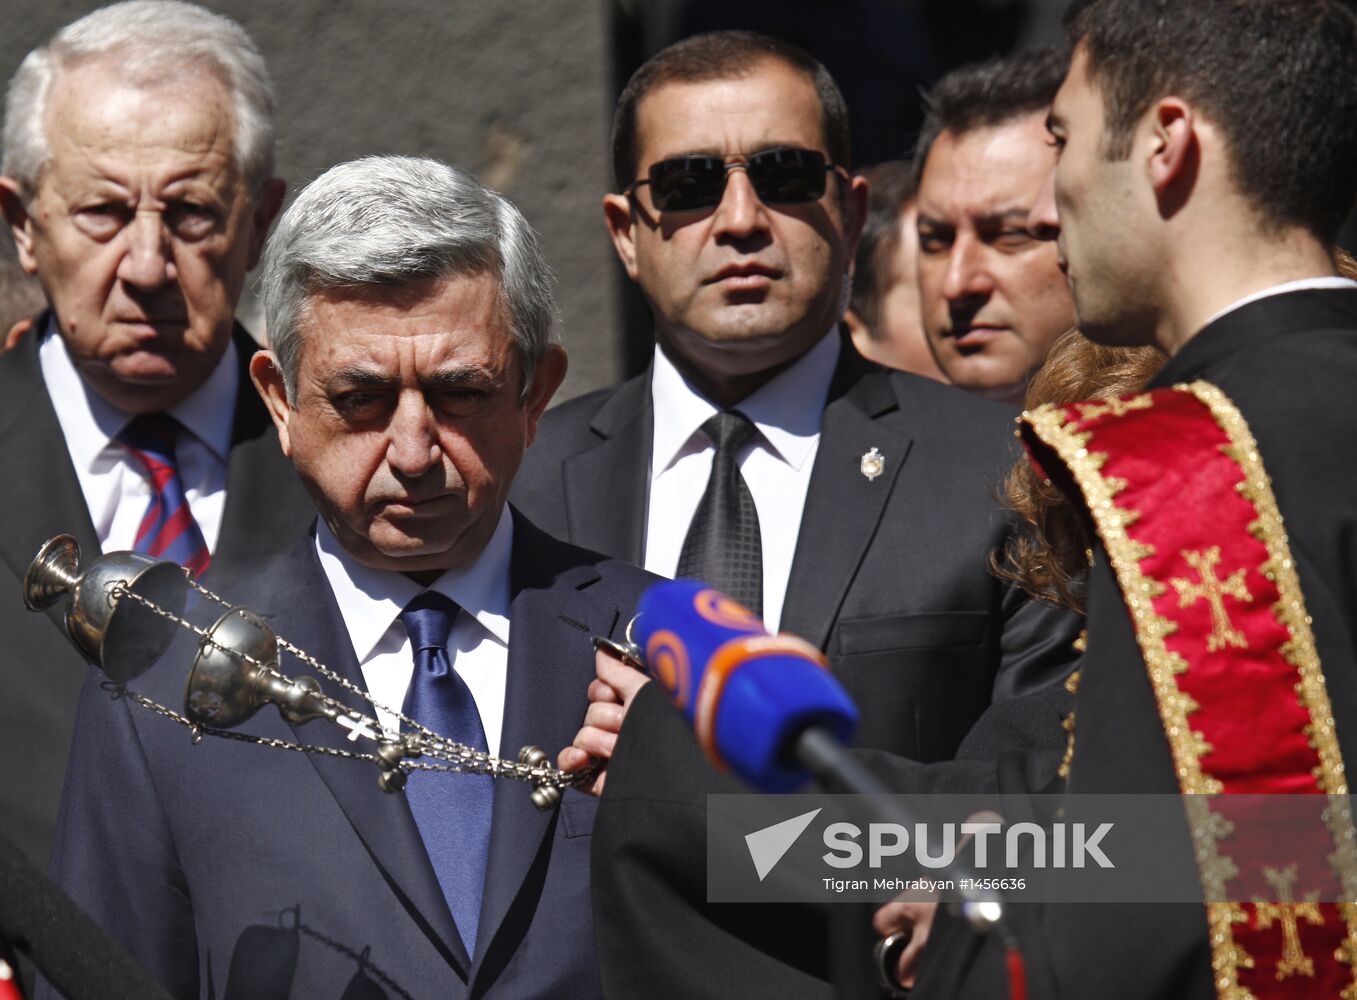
x: 762, y: 454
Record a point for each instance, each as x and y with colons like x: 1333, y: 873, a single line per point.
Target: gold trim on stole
x: 1060, y: 429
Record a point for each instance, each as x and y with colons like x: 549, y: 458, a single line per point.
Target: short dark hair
x: 1278, y: 78
x: 891, y: 187
x: 989, y: 93
x: 723, y: 55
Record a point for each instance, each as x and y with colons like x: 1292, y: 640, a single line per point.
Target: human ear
x: 854, y: 212
x: 13, y: 206
x: 546, y: 379
x: 621, y: 222
x: 268, y: 382
x: 1174, y: 151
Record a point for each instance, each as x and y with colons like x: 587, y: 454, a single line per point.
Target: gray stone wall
x: 516, y: 92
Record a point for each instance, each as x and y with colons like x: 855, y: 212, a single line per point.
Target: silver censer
x: 125, y: 609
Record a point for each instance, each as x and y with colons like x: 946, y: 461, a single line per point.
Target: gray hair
x: 148, y: 38
x: 389, y: 221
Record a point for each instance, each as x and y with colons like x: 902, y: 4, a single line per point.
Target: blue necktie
x: 167, y: 530
x: 452, y: 811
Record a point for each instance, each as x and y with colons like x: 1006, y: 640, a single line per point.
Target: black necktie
x: 452, y: 811
x: 723, y: 547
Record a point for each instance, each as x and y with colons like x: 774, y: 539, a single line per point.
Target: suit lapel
x: 45, y: 499
x: 266, y: 507
x: 550, y: 666
x: 614, y: 476
x: 843, y: 506
x: 297, y: 599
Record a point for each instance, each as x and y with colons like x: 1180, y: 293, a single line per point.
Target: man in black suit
x: 1195, y: 203
x: 873, y: 491
x: 861, y: 503
x: 411, y: 318
x: 138, y: 186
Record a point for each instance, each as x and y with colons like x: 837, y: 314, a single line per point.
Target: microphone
x: 68, y: 948
x: 753, y: 699
x: 767, y: 708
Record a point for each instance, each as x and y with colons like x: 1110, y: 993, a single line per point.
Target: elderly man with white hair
x: 138, y: 185
x: 411, y: 318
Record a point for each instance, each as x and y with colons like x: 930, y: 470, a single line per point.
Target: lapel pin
x: 873, y: 464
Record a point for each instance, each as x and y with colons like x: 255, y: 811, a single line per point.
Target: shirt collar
x: 371, y: 599
x: 90, y: 422
x: 786, y: 410
x: 210, y: 410
x: 1303, y: 284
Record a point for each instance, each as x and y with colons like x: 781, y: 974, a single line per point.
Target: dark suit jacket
x: 242, y: 871
x: 1289, y: 363
x: 890, y: 577
x: 40, y: 671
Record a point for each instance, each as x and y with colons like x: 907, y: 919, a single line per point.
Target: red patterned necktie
x: 167, y: 530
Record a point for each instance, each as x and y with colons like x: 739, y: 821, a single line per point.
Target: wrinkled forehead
x: 461, y: 314
x: 97, y: 105
x: 987, y: 171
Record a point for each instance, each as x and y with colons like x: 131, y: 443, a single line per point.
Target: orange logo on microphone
x: 730, y: 657
x: 721, y: 610
x: 667, y: 657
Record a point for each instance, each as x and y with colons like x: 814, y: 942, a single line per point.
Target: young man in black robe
x: 1206, y: 166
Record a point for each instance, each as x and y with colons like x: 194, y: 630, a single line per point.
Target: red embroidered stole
x: 1185, y: 509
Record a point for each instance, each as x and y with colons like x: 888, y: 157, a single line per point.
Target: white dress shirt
x: 371, y: 600
x: 775, y: 464
x: 112, y: 480
x: 1301, y: 285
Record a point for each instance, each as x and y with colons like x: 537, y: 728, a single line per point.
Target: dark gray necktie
x: 723, y: 546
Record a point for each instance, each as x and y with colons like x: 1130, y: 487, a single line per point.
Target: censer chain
x: 458, y: 757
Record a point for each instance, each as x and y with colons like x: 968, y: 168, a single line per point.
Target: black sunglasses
x: 779, y: 177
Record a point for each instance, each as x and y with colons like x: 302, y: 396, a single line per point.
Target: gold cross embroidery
x: 1288, y: 912
x: 1214, y: 590
x: 1115, y: 407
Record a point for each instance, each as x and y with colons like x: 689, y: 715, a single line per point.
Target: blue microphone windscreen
x: 746, y: 694
x: 680, y: 624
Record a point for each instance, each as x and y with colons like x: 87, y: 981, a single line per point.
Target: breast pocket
x: 919, y: 681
